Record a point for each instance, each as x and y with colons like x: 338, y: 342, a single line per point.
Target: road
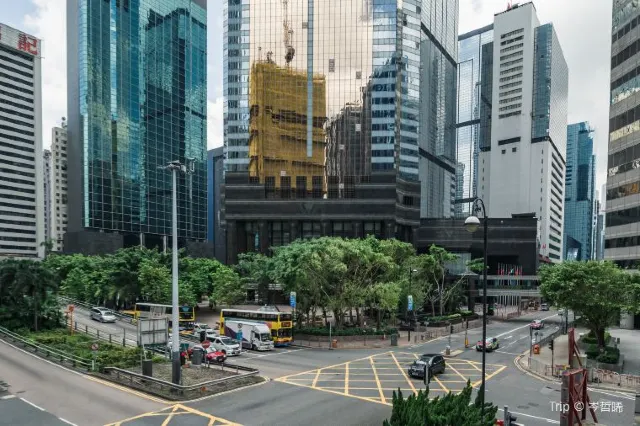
x: 44, y: 392
x: 316, y: 386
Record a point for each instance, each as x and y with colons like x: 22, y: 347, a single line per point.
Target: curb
x: 541, y: 377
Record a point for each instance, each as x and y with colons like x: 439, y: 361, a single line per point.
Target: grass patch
x: 107, y: 355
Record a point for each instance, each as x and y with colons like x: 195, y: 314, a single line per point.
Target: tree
x: 154, y: 282
x: 257, y: 269
x: 450, y: 410
x: 228, y: 289
x: 27, y: 292
x: 477, y: 265
x: 598, y: 290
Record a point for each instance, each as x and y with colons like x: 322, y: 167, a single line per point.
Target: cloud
x: 584, y: 31
x: 214, y: 123
x: 48, y: 22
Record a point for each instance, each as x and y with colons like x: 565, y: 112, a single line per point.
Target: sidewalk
x: 629, y: 344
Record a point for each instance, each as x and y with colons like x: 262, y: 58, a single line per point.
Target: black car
x: 435, y: 362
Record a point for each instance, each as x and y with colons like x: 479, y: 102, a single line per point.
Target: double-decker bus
x: 280, y: 323
x: 187, y: 314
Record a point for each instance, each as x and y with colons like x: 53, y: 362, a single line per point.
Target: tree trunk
x: 358, y: 317
x: 433, y: 308
x: 600, y: 337
x: 441, y: 298
x: 351, y: 315
x: 324, y: 316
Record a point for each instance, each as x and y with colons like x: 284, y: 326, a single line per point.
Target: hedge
x: 352, y: 331
x: 590, y: 338
x: 610, y: 355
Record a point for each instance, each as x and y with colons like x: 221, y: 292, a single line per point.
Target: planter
x: 617, y: 368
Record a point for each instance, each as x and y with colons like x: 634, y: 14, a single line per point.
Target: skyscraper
x: 339, y: 118
x: 470, y: 104
x: 46, y: 179
x: 579, y: 193
x: 22, y: 209
x: 137, y: 97
x: 622, y: 233
x: 522, y: 168
x: 59, y: 178
x: 215, y: 180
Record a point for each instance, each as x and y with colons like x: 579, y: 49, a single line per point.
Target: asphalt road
x: 308, y: 386
x: 54, y: 392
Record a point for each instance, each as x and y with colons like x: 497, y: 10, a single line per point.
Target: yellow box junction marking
x: 172, y: 412
x: 365, y: 377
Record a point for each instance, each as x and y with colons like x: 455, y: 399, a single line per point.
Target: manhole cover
x: 533, y: 404
x: 523, y: 407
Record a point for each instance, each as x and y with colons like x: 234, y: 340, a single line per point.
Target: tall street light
x: 406, y: 317
x: 174, y: 167
x: 472, y: 223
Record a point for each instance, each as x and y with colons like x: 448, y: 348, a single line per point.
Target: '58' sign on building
x: 19, y: 40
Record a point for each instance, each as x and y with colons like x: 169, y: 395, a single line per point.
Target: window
x: 514, y: 149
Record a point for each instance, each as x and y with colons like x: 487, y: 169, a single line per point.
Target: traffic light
x: 203, y: 336
x: 551, y: 344
x: 427, y: 375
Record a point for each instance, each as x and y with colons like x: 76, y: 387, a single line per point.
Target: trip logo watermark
x: 602, y: 406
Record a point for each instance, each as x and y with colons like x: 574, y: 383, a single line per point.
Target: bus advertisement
x: 186, y: 314
x: 280, y: 323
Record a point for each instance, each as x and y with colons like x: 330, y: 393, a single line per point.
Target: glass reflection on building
x: 470, y: 102
x: 140, y: 104
x: 319, y: 95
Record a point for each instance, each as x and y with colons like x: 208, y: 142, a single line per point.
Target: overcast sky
x: 583, y: 27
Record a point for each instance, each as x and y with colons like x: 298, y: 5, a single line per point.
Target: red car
x: 212, y: 355
x: 537, y: 325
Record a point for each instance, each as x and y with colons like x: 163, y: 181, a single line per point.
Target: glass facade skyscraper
x: 137, y: 101
x: 579, y: 193
x: 622, y: 233
x: 321, y: 95
x: 470, y: 104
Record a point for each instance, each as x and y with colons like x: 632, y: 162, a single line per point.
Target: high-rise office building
x: 339, y: 118
x: 579, y: 193
x: 22, y: 209
x: 137, y: 100
x: 470, y: 104
x: 58, y: 194
x: 622, y: 232
x: 215, y: 181
x: 521, y: 166
x: 46, y: 179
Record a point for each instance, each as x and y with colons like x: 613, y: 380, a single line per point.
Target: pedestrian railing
x: 154, y: 385
x: 44, y: 351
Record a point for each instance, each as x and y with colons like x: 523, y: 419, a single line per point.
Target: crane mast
x: 287, y: 33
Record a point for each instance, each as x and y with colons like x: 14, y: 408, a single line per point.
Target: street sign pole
x: 94, y: 352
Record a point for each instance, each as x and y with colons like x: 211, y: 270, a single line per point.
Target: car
x: 537, y: 325
x: 102, y: 315
x: 544, y: 307
x: 214, y: 355
x: 227, y: 345
x: 492, y: 344
x: 435, y: 363
x: 200, y: 327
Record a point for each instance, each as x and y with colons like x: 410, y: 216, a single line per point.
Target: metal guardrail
x: 49, y: 353
x: 113, y: 338
x: 87, y: 306
x: 151, y: 383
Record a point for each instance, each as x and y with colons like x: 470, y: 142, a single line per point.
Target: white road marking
x: 66, y: 421
x: 508, y: 337
x: 521, y: 327
x: 552, y: 421
x: 615, y: 395
x: 508, y: 353
x: 278, y: 353
x: 32, y: 404
x: 8, y: 397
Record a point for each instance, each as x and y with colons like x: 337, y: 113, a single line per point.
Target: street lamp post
x: 174, y: 167
x: 472, y: 223
x: 406, y: 317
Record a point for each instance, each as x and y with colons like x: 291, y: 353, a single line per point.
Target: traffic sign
x: 410, y: 303
x: 206, y: 344
x: 94, y: 346
x: 292, y: 299
x: 71, y: 308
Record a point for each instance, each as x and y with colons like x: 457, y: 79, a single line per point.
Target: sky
x: 583, y: 28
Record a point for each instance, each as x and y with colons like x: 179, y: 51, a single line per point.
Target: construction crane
x: 288, y: 33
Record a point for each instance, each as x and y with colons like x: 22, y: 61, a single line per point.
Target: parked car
x: 491, y: 345
x: 200, y: 327
x: 227, y: 345
x: 537, y: 324
x: 214, y: 355
x: 544, y: 307
x: 102, y: 315
x: 435, y: 363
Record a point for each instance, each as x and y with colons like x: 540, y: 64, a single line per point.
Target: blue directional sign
x: 292, y: 299
x: 410, y: 303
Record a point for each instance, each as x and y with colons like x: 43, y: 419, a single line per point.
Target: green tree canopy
x: 597, y: 290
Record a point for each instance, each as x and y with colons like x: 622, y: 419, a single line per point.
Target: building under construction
x: 278, y: 144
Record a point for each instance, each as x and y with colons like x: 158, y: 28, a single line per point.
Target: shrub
x: 590, y: 338
x: 610, y: 355
x: 465, y: 313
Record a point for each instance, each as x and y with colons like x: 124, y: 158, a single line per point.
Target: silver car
x: 102, y: 315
